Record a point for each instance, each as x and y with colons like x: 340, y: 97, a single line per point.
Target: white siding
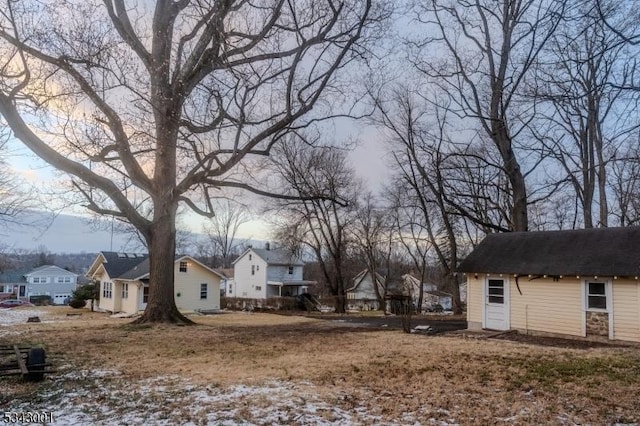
x: 103, y: 303
x: 248, y: 285
x: 188, y: 286
x: 130, y: 304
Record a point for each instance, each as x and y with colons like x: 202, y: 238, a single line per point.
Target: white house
x: 265, y: 273
x: 362, y: 294
x: 124, y: 283
x: 431, y: 296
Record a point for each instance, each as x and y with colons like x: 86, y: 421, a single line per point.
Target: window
x: 36, y: 280
x: 183, y: 266
x: 250, y: 257
x: 258, y: 288
x: 60, y: 279
x: 2, y: 290
x: 290, y: 270
x: 67, y: 279
x: 145, y: 294
x: 496, y: 291
x: 230, y: 288
x: 596, y: 296
x: 125, y: 290
x: 257, y: 267
x: 203, y: 291
x: 107, y: 290
x: 253, y: 269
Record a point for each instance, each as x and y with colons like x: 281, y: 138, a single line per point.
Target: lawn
x: 241, y: 368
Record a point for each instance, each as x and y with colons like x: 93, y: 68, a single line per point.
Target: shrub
x: 77, y: 303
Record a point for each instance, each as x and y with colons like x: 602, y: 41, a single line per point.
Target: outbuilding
x: 579, y: 283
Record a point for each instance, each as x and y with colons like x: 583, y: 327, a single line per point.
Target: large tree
x: 149, y: 105
x: 584, y: 79
x: 481, y: 53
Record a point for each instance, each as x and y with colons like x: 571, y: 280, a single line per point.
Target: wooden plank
x: 21, y: 363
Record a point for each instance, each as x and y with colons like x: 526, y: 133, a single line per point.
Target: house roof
x: 118, y: 264
x: 13, y: 277
x: 49, y: 270
x: 226, y: 272
x: 136, y: 266
x: 276, y: 257
x: 358, y: 279
x: 601, y: 251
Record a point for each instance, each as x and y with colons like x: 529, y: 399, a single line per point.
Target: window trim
x: 204, y: 291
x: 607, y: 295
x: 125, y: 290
x: 183, y: 266
x: 107, y: 290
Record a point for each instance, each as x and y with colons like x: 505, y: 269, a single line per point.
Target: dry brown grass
x: 388, y: 373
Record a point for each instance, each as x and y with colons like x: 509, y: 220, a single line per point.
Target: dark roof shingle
x: 601, y: 251
x: 117, y: 264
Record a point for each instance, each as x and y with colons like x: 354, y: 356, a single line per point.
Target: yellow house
x: 579, y: 283
x: 124, y: 283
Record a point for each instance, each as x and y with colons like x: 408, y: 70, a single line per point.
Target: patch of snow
x: 103, y: 397
x: 12, y: 316
x: 123, y: 315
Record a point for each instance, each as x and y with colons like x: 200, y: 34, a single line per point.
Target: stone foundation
x: 597, y: 324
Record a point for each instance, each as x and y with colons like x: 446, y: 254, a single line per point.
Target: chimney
x: 267, y: 246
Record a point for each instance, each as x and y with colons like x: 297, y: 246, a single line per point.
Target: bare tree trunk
x: 161, y: 306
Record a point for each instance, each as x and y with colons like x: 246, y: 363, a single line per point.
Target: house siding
x: 188, y: 285
x: 104, y: 303
x: 246, y: 284
x: 475, y: 303
x: 547, y: 306
x: 130, y: 304
x: 626, y: 310
x: 51, y: 287
x: 281, y: 273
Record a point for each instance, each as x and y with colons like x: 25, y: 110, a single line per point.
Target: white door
x: 496, y: 307
x: 143, y: 296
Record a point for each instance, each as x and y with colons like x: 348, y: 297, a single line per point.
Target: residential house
x: 227, y: 282
x: 433, y: 300
x: 362, y: 294
x: 124, y: 283
x: 13, y: 284
x: 580, y: 283
x: 46, y: 280
x: 264, y: 273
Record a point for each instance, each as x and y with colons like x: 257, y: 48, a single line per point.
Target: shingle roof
x: 601, y: 251
x: 14, y: 276
x: 278, y: 257
x: 117, y: 264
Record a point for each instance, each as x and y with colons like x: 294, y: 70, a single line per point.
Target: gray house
x: 50, y: 280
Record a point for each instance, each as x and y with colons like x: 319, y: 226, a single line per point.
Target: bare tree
x: 15, y: 196
x: 322, y: 218
x: 489, y: 49
x: 586, y: 69
x: 150, y: 105
x: 373, y: 238
x: 422, y: 162
x: 222, y: 229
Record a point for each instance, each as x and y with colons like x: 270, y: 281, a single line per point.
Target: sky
x: 70, y: 232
